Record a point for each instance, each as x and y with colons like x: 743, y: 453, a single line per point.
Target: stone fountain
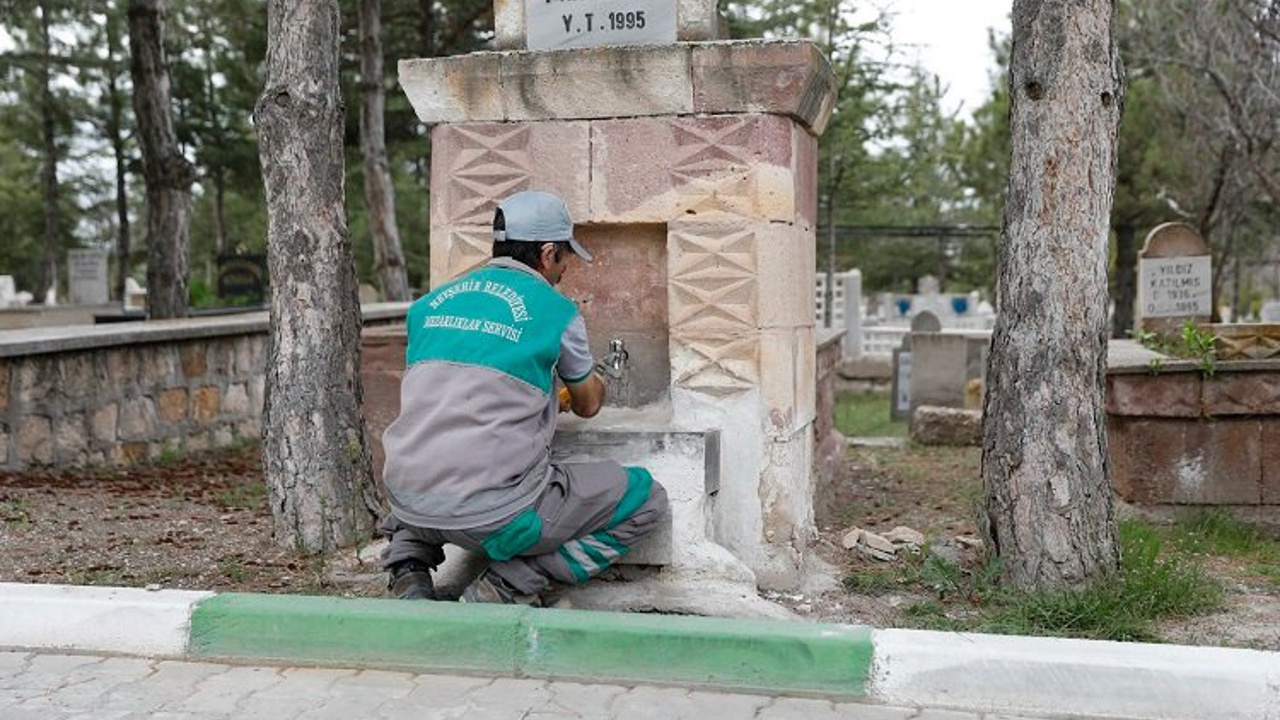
x: 689, y: 166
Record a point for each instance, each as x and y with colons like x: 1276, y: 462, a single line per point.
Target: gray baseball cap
x: 534, y: 216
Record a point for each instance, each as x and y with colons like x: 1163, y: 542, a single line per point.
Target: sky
x: 950, y: 39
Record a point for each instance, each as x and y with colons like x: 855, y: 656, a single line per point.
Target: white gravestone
x: 1175, y: 287
x: 1175, y: 280
x: 87, y: 272
x: 559, y: 24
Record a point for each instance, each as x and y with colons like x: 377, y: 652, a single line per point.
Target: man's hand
x: 586, y: 397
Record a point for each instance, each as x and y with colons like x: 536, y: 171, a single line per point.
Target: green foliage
x: 1192, y: 342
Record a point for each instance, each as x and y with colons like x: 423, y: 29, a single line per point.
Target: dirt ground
x: 203, y: 523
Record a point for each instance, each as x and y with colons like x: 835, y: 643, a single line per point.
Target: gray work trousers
x: 591, y: 514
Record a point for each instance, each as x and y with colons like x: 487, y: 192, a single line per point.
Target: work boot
x: 411, y: 580
x: 490, y: 588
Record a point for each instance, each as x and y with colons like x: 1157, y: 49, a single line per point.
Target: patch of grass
x: 15, y: 511
x: 880, y: 580
x: 1216, y: 531
x: 867, y: 415
x: 245, y: 496
x: 1156, y: 580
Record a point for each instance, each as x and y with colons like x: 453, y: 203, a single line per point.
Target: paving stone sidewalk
x: 50, y: 686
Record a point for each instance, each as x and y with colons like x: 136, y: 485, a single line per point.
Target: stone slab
x: 775, y: 77
x: 1271, y: 461
x: 1081, y: 677
x: 39, y: 341
x: 1208, y: 462
x: 1161, y: 395
x: 122, y: 620
x: 782, y: 77
x: 739, y: 167
x: 1241, y: 393
x: 694, y: 20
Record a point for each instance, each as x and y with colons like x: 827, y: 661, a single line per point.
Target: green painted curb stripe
x: 739, y: 654
x: 756, y: 655
x: 365, y: 631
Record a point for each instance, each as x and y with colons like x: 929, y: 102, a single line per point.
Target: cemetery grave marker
x: 1175, y: 283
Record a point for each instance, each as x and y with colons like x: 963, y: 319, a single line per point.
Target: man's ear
x: 547, y: 254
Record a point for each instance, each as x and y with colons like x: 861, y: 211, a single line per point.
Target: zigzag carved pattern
x: 491, y: 163
x: 719, y: 364
x: 713, y: 168
x: 468, y: 250
x: 713, y: 280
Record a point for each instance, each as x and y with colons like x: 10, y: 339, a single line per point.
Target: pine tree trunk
x: 1049, y: 510
x: 48, y: 277
x: 316, y: 459
x: 379, y: 192
x: 1126, y: 294
x: 115, y: 133
x: 168, y: 174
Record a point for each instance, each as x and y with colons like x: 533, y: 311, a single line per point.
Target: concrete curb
x: 973, y: 672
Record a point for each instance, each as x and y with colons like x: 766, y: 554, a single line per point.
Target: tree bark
x: 317, y: 462
x: 1049, y: 513
x: 1126, y: 293
x: 115, y: 133
x: 379, y: 192
x: 167, y: 173
x: 48, y: 277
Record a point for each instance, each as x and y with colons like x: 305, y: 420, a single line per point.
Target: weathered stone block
x: 236, y: 401
x: 1170, y: 461
x: 70, y: 438
x: 35, y: 441
x: 4, y: 444
x: 160, y: 364
x: 1163, y: 395
x: 103, y: 422
x: 76, y: 376
x: 249, y: 359
x: 128, y: 453
x: 1271, y: 461
x: 456, y: 89
x: 475, y: 165
x: 205, y: 403
x: 33, y: 383
x: 1141, y: 471
x: 656, y: 169
x: 173, y: 405
x: 603, y: 82
x: 193, y: 362
x: 787, y: 369
x: 1242, y: 393
x: 137, y: 418
x: 778, y: 77
x: 716, y: 363
x: 257, y: 395
x: 223, y: 436
x: 198, y: 442
x: 933, y: 425
x: 786, y: 506
x: 786, y: 286
x: 455, y: 251
x: 713, y: 278
x: 121, y: 369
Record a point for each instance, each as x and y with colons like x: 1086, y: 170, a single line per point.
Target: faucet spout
x: 615, y: 363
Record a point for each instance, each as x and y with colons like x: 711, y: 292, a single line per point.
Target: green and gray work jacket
x: 471, y: 445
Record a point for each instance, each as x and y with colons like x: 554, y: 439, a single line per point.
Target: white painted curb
x: 99, y: 619
x: 998, y: 673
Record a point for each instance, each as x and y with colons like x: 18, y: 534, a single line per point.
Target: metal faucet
x: 615, y: 362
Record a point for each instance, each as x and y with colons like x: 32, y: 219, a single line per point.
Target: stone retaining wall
x: 120, y: 394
